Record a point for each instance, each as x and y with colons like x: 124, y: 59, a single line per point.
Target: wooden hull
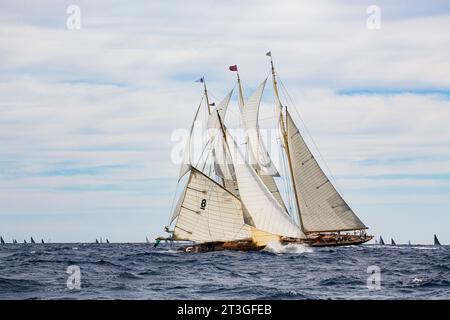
x: 249, y: 245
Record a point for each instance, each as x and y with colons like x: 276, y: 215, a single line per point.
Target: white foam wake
x: 277, y: 247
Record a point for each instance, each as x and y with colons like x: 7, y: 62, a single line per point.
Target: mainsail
x: 322, y: 208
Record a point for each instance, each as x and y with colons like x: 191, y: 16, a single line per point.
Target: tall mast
x: 206, y: 95
x: 285, y: 139
x: 241, y: 94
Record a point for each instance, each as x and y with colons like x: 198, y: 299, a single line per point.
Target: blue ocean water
x: 138, y: 271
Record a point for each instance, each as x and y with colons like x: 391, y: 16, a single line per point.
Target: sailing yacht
x: 1, y: 240
x: 393, y: 242
x: 436, y: 241
x: 235, y: 203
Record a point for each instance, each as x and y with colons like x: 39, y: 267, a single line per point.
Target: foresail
x: 208, y: 212
x: 265, y: 211
x: 321, y: 206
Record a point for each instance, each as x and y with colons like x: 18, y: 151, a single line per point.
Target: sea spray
x: 277, y: 247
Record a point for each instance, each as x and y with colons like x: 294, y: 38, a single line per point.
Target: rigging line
x: 203, y: 152
x: 288, y: 96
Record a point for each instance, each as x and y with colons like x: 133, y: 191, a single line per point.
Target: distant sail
x: 147, y: 241
x: 42, y: 241
x: 2, y: 241
x: 14, y: 241
x: 32, y: 240
x: 24, y: 241
x: 96, y: 240
x: 107, y: 241
x: 409, y: 242
x: 381, y: 241
x: 393, y: 242
x: 436, y: 241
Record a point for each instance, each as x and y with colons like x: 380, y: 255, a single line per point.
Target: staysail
x: 265, y: 211
x: 209, y: 212
x: 321, y: 206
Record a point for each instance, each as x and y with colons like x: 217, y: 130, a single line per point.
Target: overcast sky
x: 86, y: 115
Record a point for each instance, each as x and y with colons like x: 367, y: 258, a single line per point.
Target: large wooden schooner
x: 237, y: 205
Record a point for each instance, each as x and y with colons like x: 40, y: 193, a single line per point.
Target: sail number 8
x: 203, y: 204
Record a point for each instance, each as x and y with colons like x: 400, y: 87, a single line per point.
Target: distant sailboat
x: 393, y: 242
x: 96, y: 240
x: 107, y: 241
x: 436, y: 241
x: 381, y: 241
x: 24, y: 241
x: 42, y: 241
x: 2, y: 241
x: 32, y: 240
x: 409, y: 242
x: 101, y: 240
x: 14, y: 241
x: 147, y: 241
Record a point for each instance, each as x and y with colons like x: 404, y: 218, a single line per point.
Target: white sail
x: 257, y: 149
x: 257, y: 153
x: 223, y: 164
x: 208, y: 212
x: 321, y: 206
x: 266, y: 213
